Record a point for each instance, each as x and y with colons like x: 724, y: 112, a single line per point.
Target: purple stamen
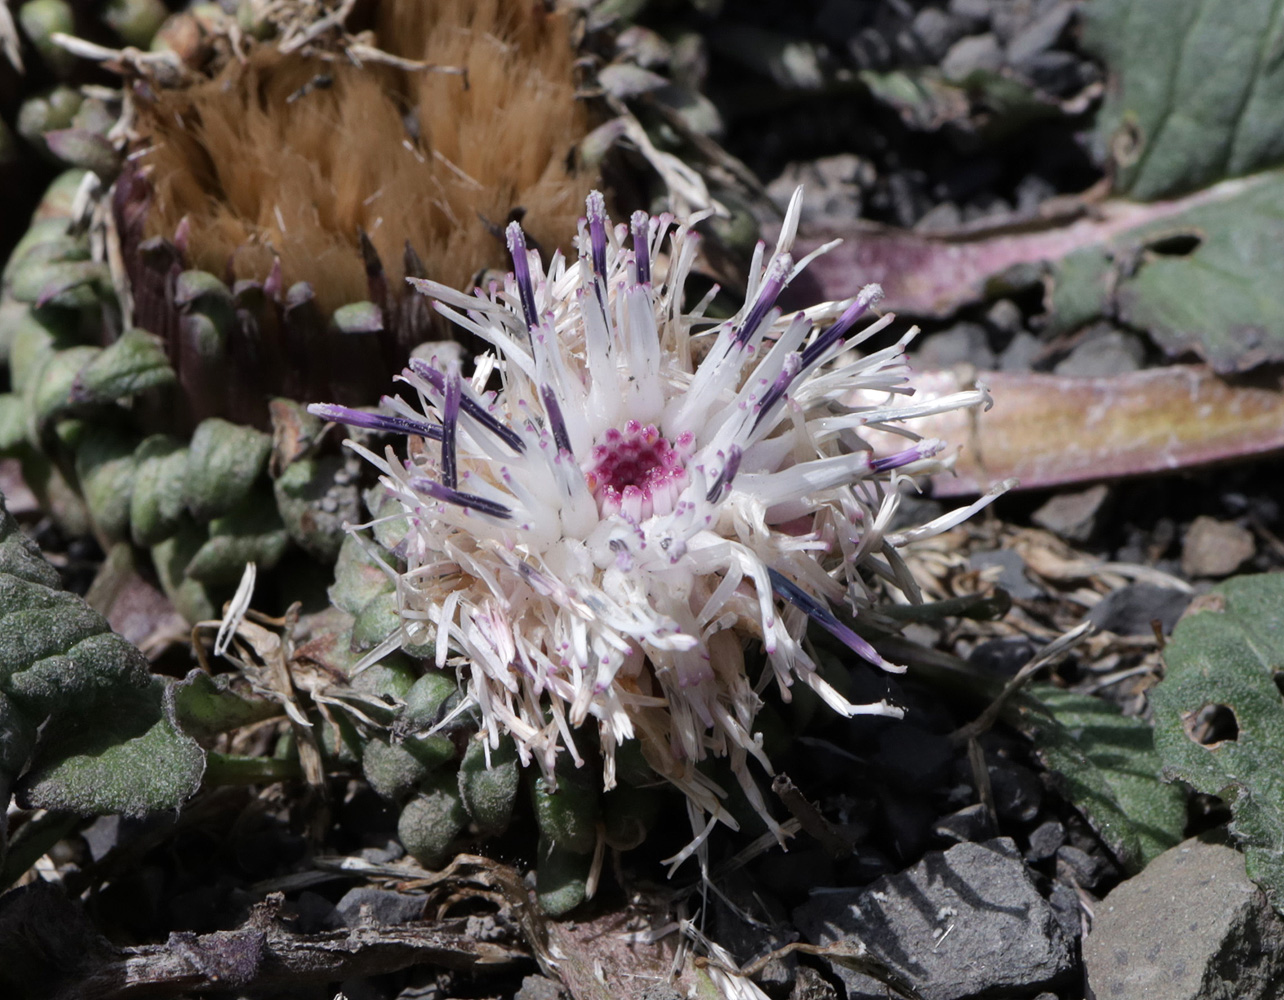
x: 924, y: 449
x: 789, y: 372
x: 522, y: 273
x: 374, y: 421
x: 470, y: 501
x: 450, y: 423
x: 557, y: 424
x: 773, y: 283
x: 820, y: 614
x: 597, y: 232
x: 729, y: 469
x: 470, y: 406
x: 641, y: 225
x: 815, y: 350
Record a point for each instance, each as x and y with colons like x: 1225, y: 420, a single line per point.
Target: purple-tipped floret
x: 470, y: 501
x: 729, y: 469
x: 450, y: 425
x: 641, y: 227
x: 822, y: 616
x: 374, y: 421
x: 772, y: 285
x: 522, y: 273
x: 469, y: 406
x: 556, y: 422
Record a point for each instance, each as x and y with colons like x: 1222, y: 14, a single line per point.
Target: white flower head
x: 647, y: 494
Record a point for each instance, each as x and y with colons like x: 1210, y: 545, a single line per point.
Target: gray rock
x: 1045, y: 839
x: 1012, y: 576
x: 958, y: 924
x: 1022, y: 352
x: 970, y: 54
x: 811, y: 985
x: 1002, y: 657
x: 1080, y: 867
x: 967, y: 824
x: 539, y: 988
x: 1108, y: 352
x: 1215, y: 548
x: 1073, y: 516
x: 1130, y: 609
x: 380, y: 906
x: 1192, y: 926
x: 1057, y: 72
x: 1011, y: 17
x: 1018, y: 793
x: 1005, y: 316
x: 975, y: 12
x: 936, y: 31
x: 1040, y: 34
x: 963, y: 343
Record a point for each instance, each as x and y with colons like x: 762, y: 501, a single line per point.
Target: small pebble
x: 1131, y: 609
x: 1022, y: 353
x: 1018, y: 794
x: 1106, y: 352
x: 971, y: 823
x: 972, y: 54
x: 1041, y: 34
x: 936, y: 31
x: 1002, y: 657
x: 1005, y: 316
x: 1045, y: 839
x: 539, y: 988
x: 1215, y: 548
x: 1079, y: 867
x: 1011, y: 576
x: 963, y: 343
x: 1073, y: 516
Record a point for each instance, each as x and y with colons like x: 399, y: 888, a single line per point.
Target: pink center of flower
x: 637, y: 471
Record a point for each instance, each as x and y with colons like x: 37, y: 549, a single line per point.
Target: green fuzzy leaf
x: 157, y: 503
x: 490, y: 791
x: 83, y: 725
x: 561, y: 878
x: 34, y: 337
x: 171, y: 558
x: 431, y: 821
x: 314, y: 504
x: 50, y: 393
x: 251, y: 533
x: 1198, y: 280
x: 376, y: 621
x: 568, y: 815
x: 139, y: 763
x: 206, y: 706
x: 224, y: 461
x: 1231, y: 654
x: 135, y: 363
x: 1111, y: 772
x: 19, y: 555
x: 1196, y: 88
x: 106, y: 466
x: 357, y: 578
x: 13, y: 423
x: 394, y: 770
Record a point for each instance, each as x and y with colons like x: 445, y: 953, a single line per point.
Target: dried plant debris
x: 287, y: 157
x: 49, y: 949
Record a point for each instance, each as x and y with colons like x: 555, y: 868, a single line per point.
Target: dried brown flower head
x: 271, y: 169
